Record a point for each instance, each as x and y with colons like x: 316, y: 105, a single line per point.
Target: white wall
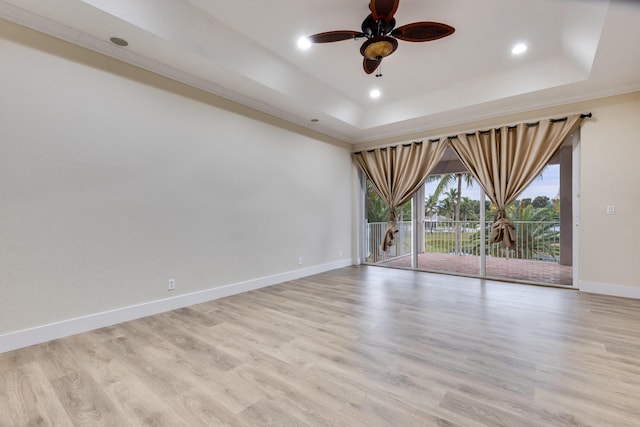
x: 114, y: 180
x: 610, y: 175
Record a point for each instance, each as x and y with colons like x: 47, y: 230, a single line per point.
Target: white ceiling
x: 245, y: 50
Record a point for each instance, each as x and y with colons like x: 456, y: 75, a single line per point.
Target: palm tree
x: 536, y: 232
x: 447, y: 206
x: 445, y: 182
x: 377, y: 210
x: 469, y: 209
x: 536, y: 238
x: 432, y: 200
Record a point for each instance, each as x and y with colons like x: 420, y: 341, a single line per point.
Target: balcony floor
x: 545, y: 272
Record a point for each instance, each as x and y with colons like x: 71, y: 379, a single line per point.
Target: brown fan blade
x: 383, y: 9
x: 334, y: 36
x: 370, y: 65
x: 422, y: 31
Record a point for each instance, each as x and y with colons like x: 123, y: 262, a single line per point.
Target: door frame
x: 575, y: 185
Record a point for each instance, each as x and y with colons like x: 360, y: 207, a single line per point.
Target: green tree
x: 447, y: 206
x: 536, y: 232
x: 540, y: 202
x: 535, y: 229
x: 377, y: 210
x: 446, y: 181
x: 556, y: 207
x: 431, y: 201
x: 469, y: 209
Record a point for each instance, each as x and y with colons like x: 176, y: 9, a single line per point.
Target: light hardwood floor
x: 359, y: 346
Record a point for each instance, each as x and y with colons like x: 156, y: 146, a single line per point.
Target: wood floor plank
x: 85, y: 401
x: 582, y: 412
x: 198, y: 349
x: 16, y: 358
x: 56, y: 358
x: 486, y: 414
x: 27, y: 398
x: 197, y: 408
x: 358, y: 346
x: 269, y: 413
x: 154, y: 373
x: 298, y: 396
x: 139, y: 403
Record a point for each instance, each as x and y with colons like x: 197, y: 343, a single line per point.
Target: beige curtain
x: 396, y: 173
x: 504, y: 161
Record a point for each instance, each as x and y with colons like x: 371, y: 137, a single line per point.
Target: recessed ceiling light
x: 304, y: 43
x: 118, y: 41
x: 519, y: 49
x: 375, y: 93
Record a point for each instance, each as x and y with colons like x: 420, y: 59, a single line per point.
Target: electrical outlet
x: 300, y: 261
x: 172, y: 284
x: 340, y: 252
x: 611, y: 210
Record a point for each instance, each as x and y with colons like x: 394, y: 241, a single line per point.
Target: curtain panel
x: 505, y: 160
x: 396, y: 173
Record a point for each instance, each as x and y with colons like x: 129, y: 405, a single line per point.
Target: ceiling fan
x: 378, y: 29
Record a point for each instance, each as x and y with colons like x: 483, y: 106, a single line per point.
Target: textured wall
x: 114, y: 180
x: 610, y: 176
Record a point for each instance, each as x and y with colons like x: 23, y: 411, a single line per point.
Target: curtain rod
x: 484, y: 132
x: 391, y: 146
x: 562, y: 119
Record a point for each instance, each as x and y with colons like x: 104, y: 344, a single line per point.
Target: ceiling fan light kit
x: 378, y: 47
x: 382, y: 38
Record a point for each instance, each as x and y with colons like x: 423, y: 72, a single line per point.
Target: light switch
x: 611, y: 210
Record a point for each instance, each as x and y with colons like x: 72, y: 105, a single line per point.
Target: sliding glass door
x: 452, y: 232
x: 446, y: 229
x: 376, y: 214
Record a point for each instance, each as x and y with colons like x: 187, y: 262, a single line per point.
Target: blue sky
x: 546, y: 185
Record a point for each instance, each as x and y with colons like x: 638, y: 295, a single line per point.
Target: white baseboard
x: 608, y: 289
x: 44, y: 333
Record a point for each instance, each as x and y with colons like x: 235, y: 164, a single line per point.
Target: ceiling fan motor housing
x: 372, y: 27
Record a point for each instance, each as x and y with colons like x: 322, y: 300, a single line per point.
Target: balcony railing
x: 535, y: 240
